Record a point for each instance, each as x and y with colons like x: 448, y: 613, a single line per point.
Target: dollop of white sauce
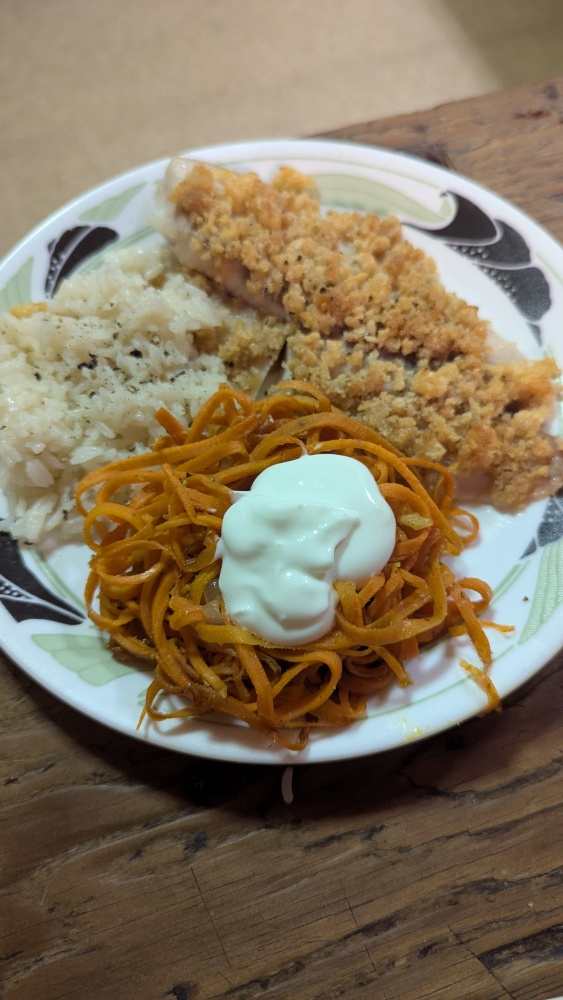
x: 302, y: 525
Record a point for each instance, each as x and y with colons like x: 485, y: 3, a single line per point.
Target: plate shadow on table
x: 453, y: 764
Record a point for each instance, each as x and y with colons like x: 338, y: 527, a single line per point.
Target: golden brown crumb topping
x: 369, y: 321
x: 248, y: 344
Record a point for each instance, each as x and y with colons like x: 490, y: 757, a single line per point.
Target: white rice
x: 81, y: 382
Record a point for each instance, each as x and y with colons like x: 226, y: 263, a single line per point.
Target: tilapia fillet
x: 366, y: 318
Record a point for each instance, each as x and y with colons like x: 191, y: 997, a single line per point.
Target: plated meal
x: 255, y: 373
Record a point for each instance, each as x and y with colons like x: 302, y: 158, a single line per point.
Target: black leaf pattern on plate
x: 500, y: 252
x: 71, y: 248
x: 527, y: 288
x: 469, y: 224
x: 23, y: 596
x: 551, y: 525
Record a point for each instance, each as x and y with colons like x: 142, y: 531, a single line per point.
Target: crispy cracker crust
x: 371, y: 324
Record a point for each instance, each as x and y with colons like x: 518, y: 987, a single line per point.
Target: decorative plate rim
x: 396, y: 725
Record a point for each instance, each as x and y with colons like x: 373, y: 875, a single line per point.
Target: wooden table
x: 432, y: 872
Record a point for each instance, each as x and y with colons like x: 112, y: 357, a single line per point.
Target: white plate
x: 487, y: 251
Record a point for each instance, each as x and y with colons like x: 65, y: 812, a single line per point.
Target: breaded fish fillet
x: 368, y: 320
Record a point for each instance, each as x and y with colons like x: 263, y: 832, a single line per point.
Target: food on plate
x: 255, y: 279
x: 154, y: 522
x: 82, y: 374
x: 369, y: 322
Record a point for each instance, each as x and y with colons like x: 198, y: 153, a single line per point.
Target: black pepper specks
x: 91, y: 364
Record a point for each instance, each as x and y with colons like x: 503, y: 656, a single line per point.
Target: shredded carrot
x: 27, y: 310
x: 153, y: 522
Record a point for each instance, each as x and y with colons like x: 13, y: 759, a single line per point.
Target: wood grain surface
x: 434, y: 872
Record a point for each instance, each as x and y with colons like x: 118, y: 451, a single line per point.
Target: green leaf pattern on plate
x: 53, y: 581
x: 362, y: 194
x: 509, y: 580
x: 86, y: 655
x: 111, y: 207
x: 549, y: 589
x: 18, y: 289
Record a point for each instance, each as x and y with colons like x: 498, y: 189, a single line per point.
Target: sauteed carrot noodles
x: 153, y: 522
